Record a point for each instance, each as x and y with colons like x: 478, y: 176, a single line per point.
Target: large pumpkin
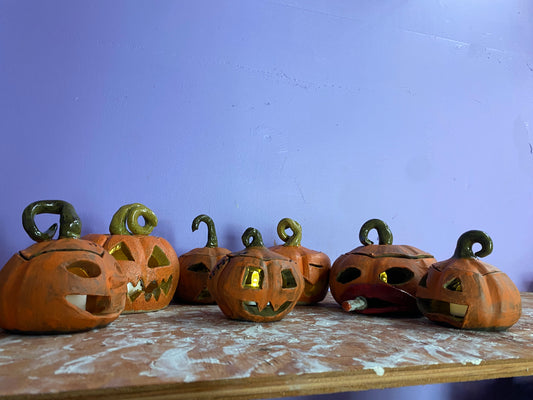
x: 466, y: 292
x: 63, y: 285
x: 314, y: 265
x: 195, y: 266
x: 255, y: 284
x: 149, y: 262
x: 378, y: 278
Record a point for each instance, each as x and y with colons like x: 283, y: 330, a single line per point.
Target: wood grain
x: 194, y: 352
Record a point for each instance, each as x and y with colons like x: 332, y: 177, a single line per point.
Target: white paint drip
x: 474, y: 361
x: 172, y: 364
x: 83, y: 365
x: 378, y: 369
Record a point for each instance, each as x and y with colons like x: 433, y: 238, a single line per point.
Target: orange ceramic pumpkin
x: 378, y: 278
x: 149, y: 262
x: 255, y: 284
x: 468, y: 293
x: 196, y: 264
x: 63, y: 285
x: 314, y: 265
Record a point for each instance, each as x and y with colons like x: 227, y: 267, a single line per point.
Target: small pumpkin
x: 149, y: 262
x: 378, y: 278
x: 255, y: 284
x: 195, y: 266
x: 63, y: 285
x: 467, y: 293
x: 314, y: 265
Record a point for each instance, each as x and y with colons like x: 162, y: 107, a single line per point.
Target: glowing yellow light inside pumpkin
x: 383, y: 277
x: 254, y: 280
x: 79, y: 271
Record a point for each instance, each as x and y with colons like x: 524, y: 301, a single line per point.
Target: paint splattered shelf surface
x: 195, y: 352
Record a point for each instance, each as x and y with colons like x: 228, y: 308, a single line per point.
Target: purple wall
x: 330, y: 112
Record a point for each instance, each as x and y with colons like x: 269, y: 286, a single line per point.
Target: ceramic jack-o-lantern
x: 149, y: 262
x: 196, y: 265
x: 378, y: 278
x: 255, y: 284
x: 314, y: 265
x: 59, y: 286
x: 465, y: 292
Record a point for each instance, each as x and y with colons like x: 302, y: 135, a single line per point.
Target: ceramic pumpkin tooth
x: 63, y: 285
x: 149, y: 262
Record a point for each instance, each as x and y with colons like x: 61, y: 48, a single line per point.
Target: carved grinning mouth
x: 153, y: 289
x: 268, y: 311
x: 96, y: 305
x: 452, y: 310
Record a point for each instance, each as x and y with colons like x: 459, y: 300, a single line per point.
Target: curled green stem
x: 255, y: 235
x: 69, y: 222
x: 126, y: 220
x: 384, y: 232
x: 296, y: 238
x: 212, y: 240
x: 465, y: 243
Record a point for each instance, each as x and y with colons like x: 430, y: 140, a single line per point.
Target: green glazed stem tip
x: 212, y: 240
x: 296, y: 238
x: 128, y: 215
x: 384, y: 232
x: 69, y: 222
x: 255, y: 235
x: 466, y: 242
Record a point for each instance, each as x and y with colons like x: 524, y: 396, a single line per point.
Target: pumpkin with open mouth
x: 196, y: 264
x: 379, y: 278
x: 467, y: 293
x: 255, y: 284
x: 149, y: 262
x: 314, y: 265
x: 63, y: 285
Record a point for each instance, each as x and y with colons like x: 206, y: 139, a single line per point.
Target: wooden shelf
x: 194, y: 352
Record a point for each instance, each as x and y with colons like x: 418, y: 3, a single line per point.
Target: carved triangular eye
x: 348, y: 275
x: 454, y: 285
x: 158, y: 258
x: 121, y: 252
